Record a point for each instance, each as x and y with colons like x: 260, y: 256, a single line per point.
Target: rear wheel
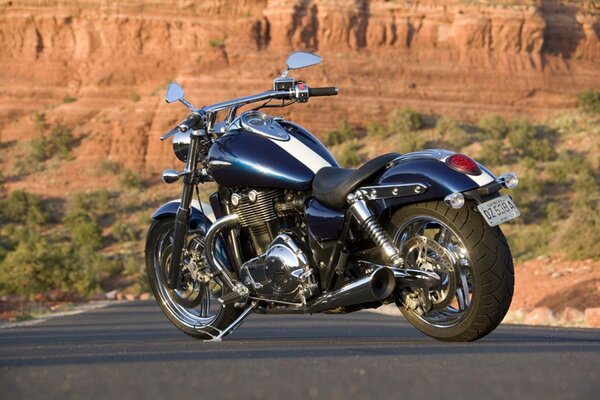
x: 473, y: 260
x: 194, y: 309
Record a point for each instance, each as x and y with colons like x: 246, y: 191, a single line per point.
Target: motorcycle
x: 289, y: 231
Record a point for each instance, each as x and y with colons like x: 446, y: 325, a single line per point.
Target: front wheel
x: 473, y: 261
x: 194, y: 308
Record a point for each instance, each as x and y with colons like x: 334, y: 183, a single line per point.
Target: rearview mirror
x: 174, y: 92
x: 301, y: 59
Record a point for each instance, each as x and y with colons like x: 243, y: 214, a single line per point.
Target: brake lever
x: 170, y: 133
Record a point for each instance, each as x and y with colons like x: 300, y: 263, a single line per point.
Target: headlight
x: 181, y: 144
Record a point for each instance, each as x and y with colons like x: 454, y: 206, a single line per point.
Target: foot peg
x: 238, y: 296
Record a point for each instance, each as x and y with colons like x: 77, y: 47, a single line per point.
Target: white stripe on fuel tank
x: 303, y: 153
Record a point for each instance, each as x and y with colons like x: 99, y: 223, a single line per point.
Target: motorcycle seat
x: 331, y: 185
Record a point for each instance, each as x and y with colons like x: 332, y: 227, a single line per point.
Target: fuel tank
x: 258, y: 150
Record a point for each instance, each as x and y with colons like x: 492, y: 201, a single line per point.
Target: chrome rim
x: 427, y: 243
x: 203, y: 297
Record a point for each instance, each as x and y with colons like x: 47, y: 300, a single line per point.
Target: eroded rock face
x: 438, y: 57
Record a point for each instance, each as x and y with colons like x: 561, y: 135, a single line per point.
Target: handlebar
x: 324, y: 91
x: 190, y: 122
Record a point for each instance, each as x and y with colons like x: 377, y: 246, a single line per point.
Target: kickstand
x: 234, y: 325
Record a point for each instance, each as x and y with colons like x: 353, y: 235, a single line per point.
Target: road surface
x: 129, y: 350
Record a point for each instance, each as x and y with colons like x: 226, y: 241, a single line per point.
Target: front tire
x: 472, y: 258
x: 194, y: 310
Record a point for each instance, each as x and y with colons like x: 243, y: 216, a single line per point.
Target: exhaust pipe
x: 377, y: 286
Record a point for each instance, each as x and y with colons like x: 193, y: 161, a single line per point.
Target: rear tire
x: 201, y: 317
x: 479, y: 273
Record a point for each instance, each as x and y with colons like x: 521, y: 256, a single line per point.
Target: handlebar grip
x: 324, y: 91
x: 190, y: 122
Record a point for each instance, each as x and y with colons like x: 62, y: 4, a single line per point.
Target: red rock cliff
x: 461, y: 58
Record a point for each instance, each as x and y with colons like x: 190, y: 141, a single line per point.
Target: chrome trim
x: 377, y: 192
x: 224, y: 223
x: 435, y: 154
x: 377, y: 286
x: 416, y: 278
x: 216, y: 164
x: 242, y: 101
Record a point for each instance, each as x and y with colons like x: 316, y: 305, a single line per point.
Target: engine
x: 282, y: 273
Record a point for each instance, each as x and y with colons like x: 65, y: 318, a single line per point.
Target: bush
x: 408, y: 142
x: 350, y: 156
x: 541, y: 150
x: 589, y: 101
x: 39, y: 119
x: 343, y: 133
x: 39, y: 150
x: 455, y: 138
x: 96, y: 203
x: 217, y: 43
x: 109, y: 167
x: 23, y: 207
x: 375, y: 130
x: 492, y: 153
x: 69, y: 99
x: 84, y: 231
x: 134, y: 96
x: 131, y: 180
x: 405, y: 121
x: 520, y: 135
x: 494, y: 126
x: 61, y: 141
x: 124, y: 232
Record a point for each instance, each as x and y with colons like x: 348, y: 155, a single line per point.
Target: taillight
x: 464, y: 164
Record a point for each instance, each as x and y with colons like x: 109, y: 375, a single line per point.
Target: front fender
x: 434, y: 173
x: 202, y: 217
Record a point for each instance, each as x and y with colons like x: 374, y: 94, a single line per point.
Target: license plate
x: 498, y: 210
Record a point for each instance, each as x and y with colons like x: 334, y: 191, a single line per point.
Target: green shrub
x: 39, y: 149
x: 124, y: 232
x: 343, y: 133
x: 494, y: 126
x: 404, y: 121
x: 69, y: 99
x: 109, y: 167
x: 84, y: 231
x: 61, y: 141
x: 134, y: 96
x: 408, y: 142
x: 96, y: 203
x: 131, y: 180
x: 589, y: 101
x: 520, y: 135
x: 454, y: 137
x: 541, y: 150
x: 23, y: 207
x: 217, y: 43
x: 350, y: 156
x: 376, y: 130
x: 492, y: 153
x: 39, y: 119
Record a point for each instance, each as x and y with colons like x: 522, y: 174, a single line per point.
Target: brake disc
x: 421, y: 252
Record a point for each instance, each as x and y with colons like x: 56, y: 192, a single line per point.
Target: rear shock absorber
x: 358, y: 208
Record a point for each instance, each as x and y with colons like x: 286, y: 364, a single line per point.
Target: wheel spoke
x: 464, y: 291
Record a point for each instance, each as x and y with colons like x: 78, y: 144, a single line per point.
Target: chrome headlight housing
x: 181, y: 144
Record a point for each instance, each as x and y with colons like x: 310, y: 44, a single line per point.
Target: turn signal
x: 464, y: 164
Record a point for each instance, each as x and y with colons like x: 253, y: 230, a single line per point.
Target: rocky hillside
x: 100, y: 67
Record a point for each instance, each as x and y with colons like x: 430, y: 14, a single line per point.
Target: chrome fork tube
x: 183, y: 212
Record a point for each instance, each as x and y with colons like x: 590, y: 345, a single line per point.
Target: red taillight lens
x: 464, y: 164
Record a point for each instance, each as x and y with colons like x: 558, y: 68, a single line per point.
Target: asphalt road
x: 129, y: 350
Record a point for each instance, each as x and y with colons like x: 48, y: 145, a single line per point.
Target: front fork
x: 183, y: 212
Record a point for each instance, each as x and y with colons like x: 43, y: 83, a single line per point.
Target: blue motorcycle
x: 289, y: 231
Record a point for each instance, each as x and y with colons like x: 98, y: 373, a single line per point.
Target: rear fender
x: 428, y: 169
